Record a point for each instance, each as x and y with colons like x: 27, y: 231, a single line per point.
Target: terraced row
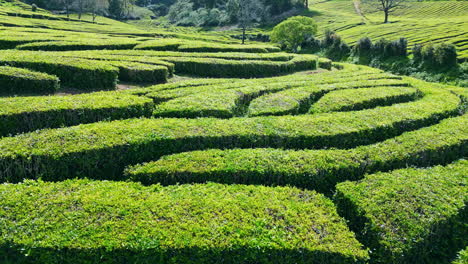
x: 100, y: 70
x: 197, y: 198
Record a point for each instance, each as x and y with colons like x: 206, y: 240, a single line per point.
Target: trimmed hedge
x: 292, y: 101
x: 299, y: 100
x: 171, y: 54
x: 409, y: 215
x: 364, y: 98
x: 103, y: 149
x: 209, y: 47
x: 23, y: 81
x: 224, y: 105
x: 220, y: 100
x: 139, y: 72
x: 201, y: 46
x: 23, y: 114
x: 78, y: 45
x: 77, y: 73
x: 313, y: 169
x: 83, y: 221
x: 241, y: 69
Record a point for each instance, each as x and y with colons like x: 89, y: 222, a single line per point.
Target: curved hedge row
x: 77, y: 45
x: 241, y: 69
x: 233, y: 98
x: 77, y: 73
x: 409, y: 215
x: 313, y: 169
x: 176, y: 224
x: 139, y: 72
x: 200, y: 46
x: 24, y: 114
x: 358, y: 99
x: 22, y: 81
x: 103, y: 149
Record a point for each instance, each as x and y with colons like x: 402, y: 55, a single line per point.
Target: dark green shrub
x: 445, y: 55
x: 86, y: 222
x: 363, y: 50
x: 417, y: 54
x: 428, y: 56
x: 334, y: 47
x: 385, y: 49
x: 409, y: 215
x: 22, y: 81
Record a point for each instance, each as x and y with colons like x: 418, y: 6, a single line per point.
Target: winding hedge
x: 103, y: 149
x: 228, y: 99
x: 78, y: 45
x: 22, y: 81
x: 313, y: 169
x: 358, y: 99
x: 201, y: 46
x: 241, y: 69
x: 24, y: 114
x: 116, y: 222
x: 409, y: 215
x: 77, y: 73
x: 139, y: 72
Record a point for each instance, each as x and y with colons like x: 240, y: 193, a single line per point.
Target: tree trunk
x: 306, y: 4
x: 386, y: 16
x: 80, y: 9
x: 243, y: 35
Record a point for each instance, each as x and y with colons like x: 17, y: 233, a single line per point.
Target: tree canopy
x: 292, y: 32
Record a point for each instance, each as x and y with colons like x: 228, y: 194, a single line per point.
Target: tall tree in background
x: 247, y: 12
x: 80, y: 4
x: 66, y: 5
x: 387, y: 6
x: 96, y: 6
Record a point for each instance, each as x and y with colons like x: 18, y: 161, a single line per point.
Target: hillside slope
x: 419, y: 22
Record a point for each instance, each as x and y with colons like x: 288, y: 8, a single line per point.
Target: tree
x: 96, y: 6
x: 246, y: 12
x: 387, y: 6
x: 81, y: 4
x: 292, y: 32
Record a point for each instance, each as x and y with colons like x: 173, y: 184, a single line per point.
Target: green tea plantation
x: 125, y: 145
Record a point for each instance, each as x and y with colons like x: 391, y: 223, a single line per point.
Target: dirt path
x: 357, y: 7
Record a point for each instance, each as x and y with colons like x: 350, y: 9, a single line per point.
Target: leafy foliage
x: 292, y: 32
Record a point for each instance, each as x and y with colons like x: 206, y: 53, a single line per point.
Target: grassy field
x: 124, y: 145
x: 419, y: 22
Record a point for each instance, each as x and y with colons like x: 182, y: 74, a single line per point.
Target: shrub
x: 417, y: 53
x: 77, y: 73
x: 358, y: 99
x: 103, y: 149
x: 77, y: 45
x: 334, y: 47
x: 117, y: 222
x: 363, y: 50
x: 22, y: 81
x: 294, y: 31
x: 24, y: 114
x: 313, y: 169
x: 445, y: 55
x: 409, y: 215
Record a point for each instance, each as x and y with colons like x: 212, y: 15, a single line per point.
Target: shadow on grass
x: 12, y: 253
